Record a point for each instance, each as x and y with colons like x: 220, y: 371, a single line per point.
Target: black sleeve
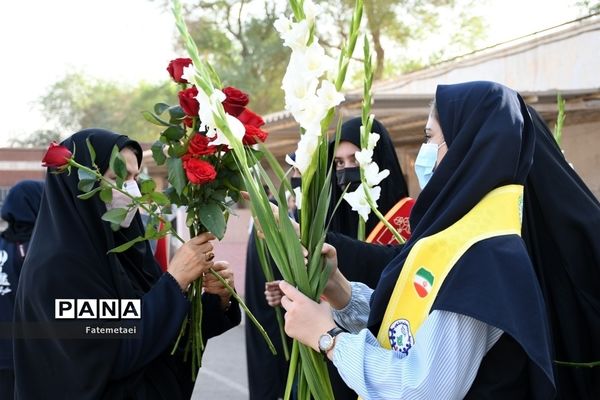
x: 214, y: 320
x: 163, y: 309
x: 360, y: 261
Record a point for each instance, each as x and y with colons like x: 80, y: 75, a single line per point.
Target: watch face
x: 325, y: 342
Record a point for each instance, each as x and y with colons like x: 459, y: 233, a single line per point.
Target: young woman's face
x: 434, y: 134
x: 344, y: 155
x: 131, y: 164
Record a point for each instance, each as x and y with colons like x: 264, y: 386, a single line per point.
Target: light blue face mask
x: 425, y: 162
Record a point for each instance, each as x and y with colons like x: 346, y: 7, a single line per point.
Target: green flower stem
x: 246, y: 310
x: 292, y: 370
x: 111, y: 184
x: 373, y: 206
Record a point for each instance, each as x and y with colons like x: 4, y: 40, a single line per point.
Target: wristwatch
x: 327, y: 340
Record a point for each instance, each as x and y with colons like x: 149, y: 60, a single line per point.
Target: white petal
x: 373, y: 139
x: 311, y: 10
x: 364, y: 157
x: 189, y: 73
x: 329, y: 95
x: 297, y: 36
x: 358, y: 202
x: 373, y: 176
x: 283, y: 24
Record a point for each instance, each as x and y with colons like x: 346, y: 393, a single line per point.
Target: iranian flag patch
x: 423, y: 282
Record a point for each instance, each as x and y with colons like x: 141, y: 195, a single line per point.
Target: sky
x: 132, y: 40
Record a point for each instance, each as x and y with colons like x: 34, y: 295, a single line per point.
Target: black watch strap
x: 332, y: 333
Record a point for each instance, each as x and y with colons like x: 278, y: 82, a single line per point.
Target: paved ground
x: 223, y: 375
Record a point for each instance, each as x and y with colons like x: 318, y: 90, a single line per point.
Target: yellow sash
x: 432, y: 258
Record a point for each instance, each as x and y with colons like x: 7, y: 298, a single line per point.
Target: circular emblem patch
x: 401, y: 338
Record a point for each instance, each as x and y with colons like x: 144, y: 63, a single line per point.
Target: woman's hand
x: 338, y: 290
x: 213, y: 285
x: 273, y: 293
x: 192, y: 260
x: 305, y: 320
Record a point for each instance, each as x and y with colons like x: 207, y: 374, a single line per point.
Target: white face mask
x: 119, y: 200
x: 425, y: 162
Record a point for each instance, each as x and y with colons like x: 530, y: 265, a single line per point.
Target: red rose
x: 188, y: 102
x: 188, y: 121
x: 199, y: 146
x: 248, y: 117
x: 175, y: 68
x: 235, y: 102
x: 254, y: 135
x: 199, y: 171
x: 57, y: 156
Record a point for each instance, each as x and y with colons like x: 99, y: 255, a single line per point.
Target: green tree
x: 38, y: 138
x: 76, y: 102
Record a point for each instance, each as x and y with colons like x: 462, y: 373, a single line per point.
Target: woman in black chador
x: 19, y: 210
x: 68, y: 259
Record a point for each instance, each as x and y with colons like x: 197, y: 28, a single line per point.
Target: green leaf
x: 176, y: 114
x: 212, y: 218
x: 148, y: 116
x: 160, y: 108
x: 106, y: 194
x: 86, y: 180
x: 158, y: 153
x: 176, y: 176
x: 117, y: 164
x: 174, y: 133
x: 87, y: 195
x: 146, y: 183
x: 115, y: 215
x: 160, y: 198
x: 91, y: 150
x: 127, y: 245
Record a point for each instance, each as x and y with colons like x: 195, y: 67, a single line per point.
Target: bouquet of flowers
x: 203, y: 173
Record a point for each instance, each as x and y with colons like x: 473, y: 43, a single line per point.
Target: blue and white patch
x: 4, y: 283
x: 401, y: 338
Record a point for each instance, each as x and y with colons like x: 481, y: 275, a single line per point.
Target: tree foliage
x: 77, y: 101
x: 239, y: 40
x: 589, y: 7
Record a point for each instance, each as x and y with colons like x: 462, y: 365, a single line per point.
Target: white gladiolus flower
x: 297, y: 36
x: 328, y: 95
x: 364, y: 157
x: 297, y: 91
x: 304, y: 153
x: 313, y: 62
x: 310, y: 115
x: 189, y: 72
x: 205, y: 112
x: 217, y: 97
x: 311, y: 10
x: 358, y: 200
x: 235, y: 126
x: 373, y: 176
x: 373, y: 139
x: 283, y: 25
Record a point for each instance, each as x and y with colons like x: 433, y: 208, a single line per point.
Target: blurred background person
x: 20, y: 211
